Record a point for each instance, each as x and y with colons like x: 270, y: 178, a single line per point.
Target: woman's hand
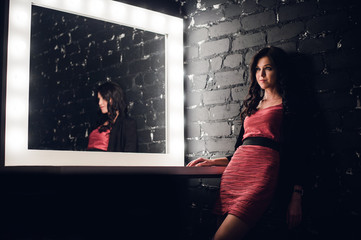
x: 200, y: 162
x: 294, y: 212
x: 204, y: 162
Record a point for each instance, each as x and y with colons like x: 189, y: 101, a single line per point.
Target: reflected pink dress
x: 249, y: 181
x: 98, y: 140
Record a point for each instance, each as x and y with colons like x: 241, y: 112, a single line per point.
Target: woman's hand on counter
x: 204, y: 162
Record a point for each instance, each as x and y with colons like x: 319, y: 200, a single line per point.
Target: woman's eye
x: 269, y: 68
x: 257, y: 69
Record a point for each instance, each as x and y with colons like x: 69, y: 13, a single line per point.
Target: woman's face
x: 266, y: 74
x: 103, y: 104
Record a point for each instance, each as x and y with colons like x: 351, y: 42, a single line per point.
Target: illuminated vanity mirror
x: 60, y: 51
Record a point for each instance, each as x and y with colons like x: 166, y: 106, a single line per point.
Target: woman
x: 250, y: 179
x: 117, y: 132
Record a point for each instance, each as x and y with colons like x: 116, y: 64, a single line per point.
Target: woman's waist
x: 262, y: 141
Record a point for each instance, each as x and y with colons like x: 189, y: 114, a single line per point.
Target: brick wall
x: 70, y: 56
x: 221, y: 38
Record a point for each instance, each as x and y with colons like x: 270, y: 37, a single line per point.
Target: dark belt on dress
x: 262, y: 141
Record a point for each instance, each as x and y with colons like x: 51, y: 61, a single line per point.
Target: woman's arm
x: 294, y: 211
x: 296, y: 155
x: 203, y: 162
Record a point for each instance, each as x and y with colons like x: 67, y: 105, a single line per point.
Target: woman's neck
x: 271, y: 95
x: 270, y: 99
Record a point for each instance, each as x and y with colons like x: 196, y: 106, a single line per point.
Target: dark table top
x: 90, y: 170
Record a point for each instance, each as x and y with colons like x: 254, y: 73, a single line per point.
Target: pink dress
x: 98, y: 140
x: 249, y: 181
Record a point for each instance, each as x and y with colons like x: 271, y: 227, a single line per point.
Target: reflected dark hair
x: 114, y: 95
x: 279, y: 60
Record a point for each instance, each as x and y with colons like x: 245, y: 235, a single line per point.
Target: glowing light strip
x: 17, y: 92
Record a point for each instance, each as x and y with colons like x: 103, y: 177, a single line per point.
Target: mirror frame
x: 17, y: 84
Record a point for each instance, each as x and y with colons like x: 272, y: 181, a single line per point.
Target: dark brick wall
x: 221, y: 38
x: 70, y: 56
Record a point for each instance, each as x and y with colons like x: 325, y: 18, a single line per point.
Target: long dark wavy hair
x: 280, y: 61
x: 114, y: 95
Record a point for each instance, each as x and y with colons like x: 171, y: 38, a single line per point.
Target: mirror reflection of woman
x: 263, y: 150
x: 116, y: 132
